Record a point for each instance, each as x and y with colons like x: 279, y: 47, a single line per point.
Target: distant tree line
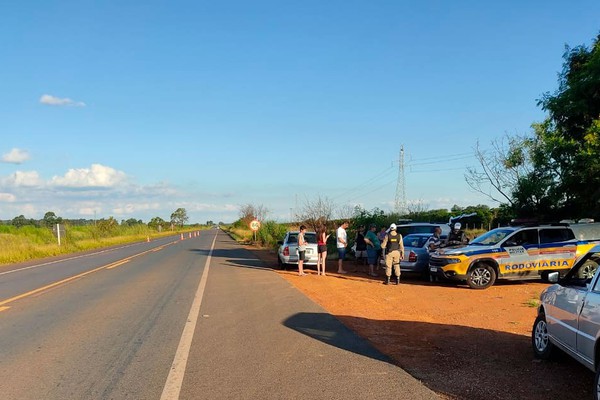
x: 178, y: 218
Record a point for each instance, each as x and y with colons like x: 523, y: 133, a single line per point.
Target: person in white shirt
x: 341, y: 243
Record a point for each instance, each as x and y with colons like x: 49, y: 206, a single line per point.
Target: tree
x: 50, y: 219
x: 566, y: 149
x: 157, y: 223
x: 501, y: 168
x: 249, y: 212
x: 19, y: 221
x: 179, y: 217
x: 131, y: 222
x: 316, y: 212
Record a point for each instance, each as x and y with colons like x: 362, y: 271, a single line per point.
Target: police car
x: 520, y: 252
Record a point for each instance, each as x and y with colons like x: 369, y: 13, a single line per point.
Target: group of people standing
x: 386, y: 245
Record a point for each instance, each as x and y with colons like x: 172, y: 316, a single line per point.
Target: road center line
x: 80, y: 256
x: 116, y: 264
x: 175, y: 379
x: 69, y: 279
x: 41, y: 289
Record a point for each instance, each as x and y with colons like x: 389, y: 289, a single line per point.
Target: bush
x: 270, y: 232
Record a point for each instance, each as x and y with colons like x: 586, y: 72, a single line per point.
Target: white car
x: 287, y: 253
x: 569, y: 315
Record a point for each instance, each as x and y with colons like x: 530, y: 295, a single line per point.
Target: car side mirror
x: 280, y: 242
x: 510, y: 243
x: 553, y: 277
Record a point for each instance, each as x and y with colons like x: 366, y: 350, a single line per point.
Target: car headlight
x: 453, y: 260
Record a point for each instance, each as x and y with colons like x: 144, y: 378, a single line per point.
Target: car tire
x: 542, y: 347
x: 481, y: 276
x: 425, y: 275
x: 280, y: 263
x: 587, y: 270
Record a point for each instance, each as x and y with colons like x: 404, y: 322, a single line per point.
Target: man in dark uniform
x: 457, y: 237
x: 394, y: 252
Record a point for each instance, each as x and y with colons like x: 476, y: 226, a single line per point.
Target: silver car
x: 569, y: 315
x: 416, y: 255
x: 287, y: 254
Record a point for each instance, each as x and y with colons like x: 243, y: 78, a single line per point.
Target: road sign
x: 254, y: 225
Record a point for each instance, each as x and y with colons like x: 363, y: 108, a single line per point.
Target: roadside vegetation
x: 319, y: 213
x: 25, y: 239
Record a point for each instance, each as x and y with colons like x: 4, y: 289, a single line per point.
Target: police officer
x: 394, y: 252
x: 457, y: 237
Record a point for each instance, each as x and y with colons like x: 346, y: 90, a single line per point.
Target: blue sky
x: 134, y: 109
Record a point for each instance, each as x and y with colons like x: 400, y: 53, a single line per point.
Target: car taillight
x: 286, y: 251
x: 412, y: 257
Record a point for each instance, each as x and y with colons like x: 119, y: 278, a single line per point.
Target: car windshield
x: 414, y: 241
x: 406, y: 230
x: 310, y: 237
x: 492, y: 237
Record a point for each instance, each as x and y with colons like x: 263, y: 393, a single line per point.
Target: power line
x: 438, y: 157
x: 444, y: 160
x: 378, y: 176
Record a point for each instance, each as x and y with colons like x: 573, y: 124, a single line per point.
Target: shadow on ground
x: 504, y: 368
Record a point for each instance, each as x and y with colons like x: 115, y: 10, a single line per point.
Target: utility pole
x: 400, y: 203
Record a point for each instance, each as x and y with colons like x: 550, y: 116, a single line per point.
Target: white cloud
x: 7, y: 197
x: 98, y: 176
x: 23, y: 179
x: 15, y: 156
x: 135, y: 208
x: 57, y: 101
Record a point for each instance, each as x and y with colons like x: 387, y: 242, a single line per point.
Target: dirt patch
x: 461, y: 343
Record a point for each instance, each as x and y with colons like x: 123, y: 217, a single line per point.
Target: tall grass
x: 28, y: 242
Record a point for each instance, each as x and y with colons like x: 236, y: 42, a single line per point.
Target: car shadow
x: 234, y: 258
x: 481, y: 365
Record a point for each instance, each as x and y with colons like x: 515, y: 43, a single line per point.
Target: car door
x: 562, y: 314
x: 523, y: 251
x: 589, y: 318
x: 557, y: 249
x: 565, y: 306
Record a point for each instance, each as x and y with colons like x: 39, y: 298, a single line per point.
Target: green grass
x: 534, y: 303
x: 29, y: 243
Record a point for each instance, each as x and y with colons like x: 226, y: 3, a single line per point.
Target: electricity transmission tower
x: 400, y: 204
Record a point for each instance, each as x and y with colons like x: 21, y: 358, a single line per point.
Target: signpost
x: 59, y: 231
x: 254, y: 225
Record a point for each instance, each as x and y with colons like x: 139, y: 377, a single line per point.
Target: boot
x: 387, y: 280
x: 397, y: 280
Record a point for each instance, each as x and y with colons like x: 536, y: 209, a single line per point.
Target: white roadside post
x: 58, y: 233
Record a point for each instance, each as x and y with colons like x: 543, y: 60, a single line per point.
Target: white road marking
x: 175, y: 379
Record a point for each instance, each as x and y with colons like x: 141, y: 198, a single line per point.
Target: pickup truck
x: 515, y: 252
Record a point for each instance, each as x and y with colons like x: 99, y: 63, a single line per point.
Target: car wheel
x: 280, y: 263
x: 588, y: 270
x: 481, y: 276
x: 542, y: 347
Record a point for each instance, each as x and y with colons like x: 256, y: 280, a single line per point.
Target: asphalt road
x: 198, y: 318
